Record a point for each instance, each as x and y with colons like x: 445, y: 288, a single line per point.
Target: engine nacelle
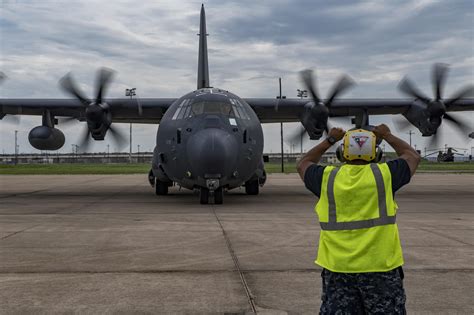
x: 422, y: 119
x: 46, y: 138
x: 315, y: 119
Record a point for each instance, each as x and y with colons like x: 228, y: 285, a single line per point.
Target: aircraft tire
x: 204, y: 196
x: 219, y: 196
x: 251, y: 187
x: 161, y: 188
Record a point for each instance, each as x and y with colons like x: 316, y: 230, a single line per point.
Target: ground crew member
x: 359, y: 247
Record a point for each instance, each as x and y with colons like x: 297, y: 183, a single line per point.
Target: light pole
x: 74, y: 152
x: 131, y: 93
x: 138, y: 154
x: 280, y: 97
x: 16, y: 147
x: 108, y: 153
x: 410, y: 133
x: 301, y: 93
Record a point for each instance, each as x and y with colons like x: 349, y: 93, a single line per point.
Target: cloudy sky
x: 153, y: 46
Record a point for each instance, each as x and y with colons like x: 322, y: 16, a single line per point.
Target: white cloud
x: 153, y: 46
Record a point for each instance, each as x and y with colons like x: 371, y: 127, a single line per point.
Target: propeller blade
x: 85, y: 140
x: 68, y: 85
x: 345, y: 82
x: 3, y: 76
x: 103, y: 79
x: 297, y: 135
x: 462, y: 126
x: 464, y: 92
x: 438, y: 79
x: 117, y: 136
x: 407, y: 87
x: 327, y: 127
x: 401, y: 123
x: 140, y: 109
x: 307, y: 77
x: 434, y: 139
x: 12, y: 119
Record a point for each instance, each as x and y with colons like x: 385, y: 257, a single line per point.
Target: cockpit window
x: 178, y: 114
x: 234, y: 109
x: 207, y: 107
x: 239, y: 109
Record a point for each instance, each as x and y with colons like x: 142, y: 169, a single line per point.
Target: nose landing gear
x: 219, y: 196
x: 204, y: 194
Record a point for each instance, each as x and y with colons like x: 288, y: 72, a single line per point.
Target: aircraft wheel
x: 204, y: 196
x: 219, y: 196
x: 251, y: 187
x: 161, y: 188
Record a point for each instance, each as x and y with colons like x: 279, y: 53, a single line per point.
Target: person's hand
x: 337, y: 133
x: 381, y: 131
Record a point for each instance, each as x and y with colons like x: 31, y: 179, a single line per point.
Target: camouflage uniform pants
x: 363, y: 293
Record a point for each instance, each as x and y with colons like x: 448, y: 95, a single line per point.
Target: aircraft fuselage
x: 209, y: 138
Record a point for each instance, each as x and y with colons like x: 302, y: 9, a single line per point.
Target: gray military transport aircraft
x: 211, y: 140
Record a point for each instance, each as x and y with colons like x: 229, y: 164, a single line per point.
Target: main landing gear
x: 204, y: 194
x: 161, y: 187
x: 252, y: 187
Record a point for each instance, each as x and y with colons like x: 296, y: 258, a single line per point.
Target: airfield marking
x: 17, y: 232
x: 236, y: 263
x: 444, y: 235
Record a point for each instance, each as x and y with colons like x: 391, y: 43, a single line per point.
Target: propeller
x: 9, y: 118
x: 319, y: 112
x: 401, y: 123
x: 437, y: 106
x: 97, y: 112
x: 298, y: 135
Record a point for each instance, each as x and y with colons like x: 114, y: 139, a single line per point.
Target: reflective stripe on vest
x: 383, y: 219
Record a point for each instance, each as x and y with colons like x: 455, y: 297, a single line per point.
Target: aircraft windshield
x: 234, y: 109
x: 212, y: 108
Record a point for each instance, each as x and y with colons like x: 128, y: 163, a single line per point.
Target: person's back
x: 356, y: 247
x: 359, y: 247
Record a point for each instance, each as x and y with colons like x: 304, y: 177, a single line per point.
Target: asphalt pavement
x: 107, y: 244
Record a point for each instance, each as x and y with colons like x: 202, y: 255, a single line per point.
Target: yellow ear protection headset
x: 359, y: 144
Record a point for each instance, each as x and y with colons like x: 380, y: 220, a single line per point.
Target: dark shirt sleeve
x: 313, y: 178
x: 401, y: 174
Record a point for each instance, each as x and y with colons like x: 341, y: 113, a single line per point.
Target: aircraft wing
x: 291, y: 110
x: 124, y: 110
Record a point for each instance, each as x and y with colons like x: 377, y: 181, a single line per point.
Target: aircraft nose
x: 212, y: 151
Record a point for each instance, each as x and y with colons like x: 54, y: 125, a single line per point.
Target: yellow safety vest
x: 357, y: 215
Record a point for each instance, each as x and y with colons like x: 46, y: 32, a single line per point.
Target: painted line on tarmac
x: 250, y: 297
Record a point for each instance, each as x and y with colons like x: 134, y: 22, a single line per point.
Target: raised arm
x: 403, y: 149
x: 314, y: 155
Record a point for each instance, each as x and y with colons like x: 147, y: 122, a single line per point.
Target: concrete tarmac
x: 107, y: 244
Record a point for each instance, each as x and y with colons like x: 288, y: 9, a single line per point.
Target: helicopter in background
x: 446, y: 154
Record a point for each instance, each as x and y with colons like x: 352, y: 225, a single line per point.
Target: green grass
x: 75, y: 169
x: 448, y: 166
x: 81, y: 169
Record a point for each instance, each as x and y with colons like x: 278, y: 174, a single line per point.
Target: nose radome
x: 212, y: 151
